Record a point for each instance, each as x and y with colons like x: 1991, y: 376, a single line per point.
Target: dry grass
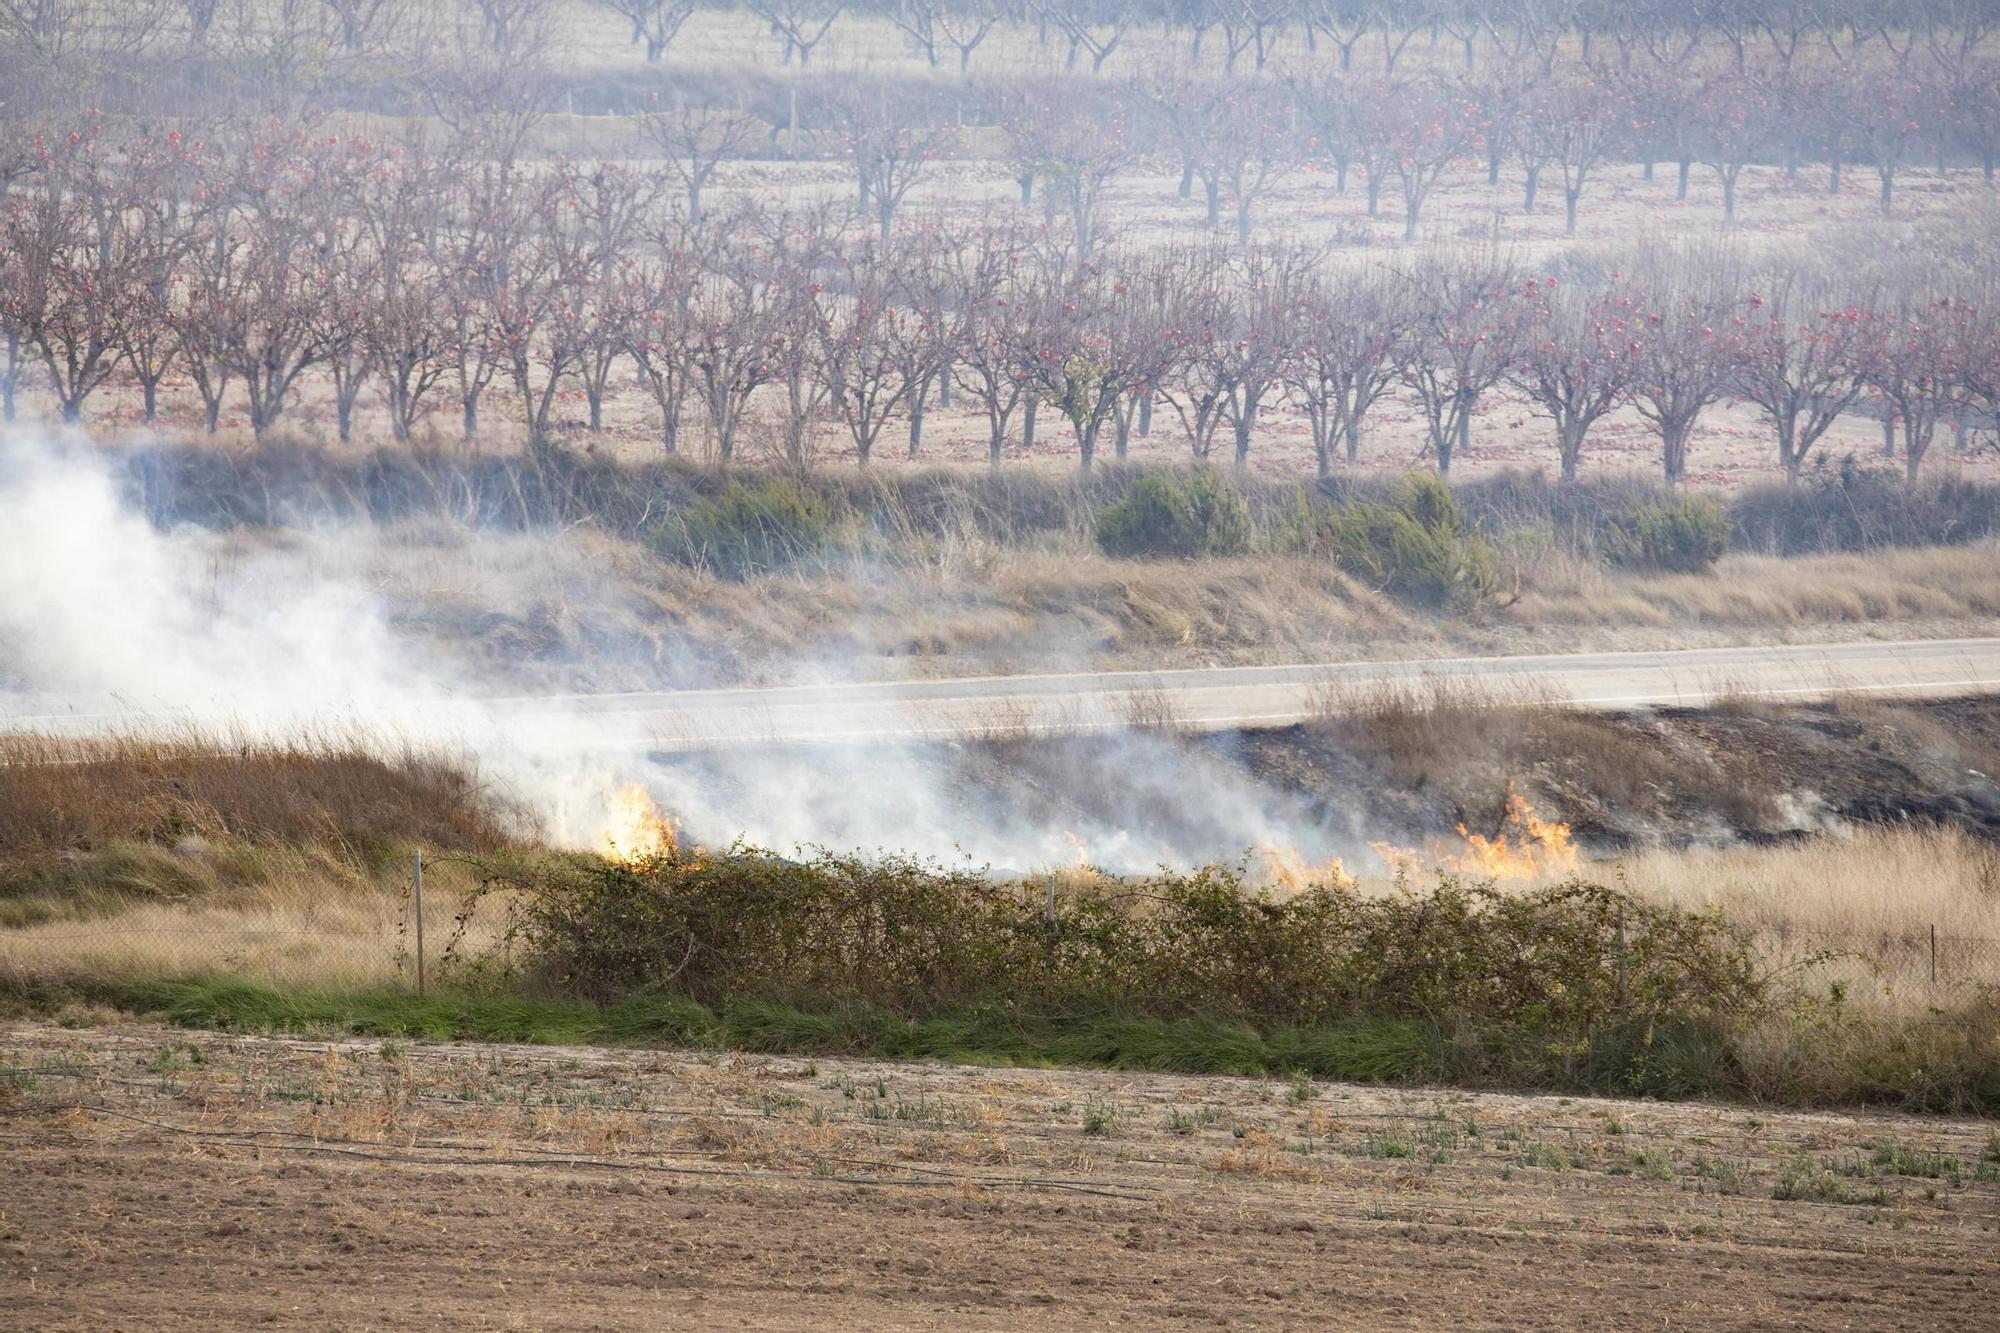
x: 130, y: 856
x: 597, y: 611
x: 309, y: 924
x: 1942, y: 583
x: 67, y: 794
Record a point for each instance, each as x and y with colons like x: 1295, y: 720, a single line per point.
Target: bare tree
x: 696, y: 140
x: 736, y: 323
x: 1688, y: 298
x: 799, y: 25
x: 1096, y: 26
x: 1075, y: 141
x: 1456, y: 349
x: 994, y: 288
x: 1734, y: 124
x: 1346, y: 336
x: 965, y: 28
x: 1799, y: 356
x: 654, y: 22
x: 662, y: 299
x: 892, y: 142
x: 1572, y: 355
x: 1914, y: 361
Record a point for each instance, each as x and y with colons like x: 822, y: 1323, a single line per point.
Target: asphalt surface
x: 1227, y: 698
x: 1203, y: 699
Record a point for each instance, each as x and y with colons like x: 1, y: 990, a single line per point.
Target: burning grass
x: 1785, y: 972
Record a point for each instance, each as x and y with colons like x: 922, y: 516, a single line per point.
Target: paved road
x: 1211, y: 699
x: 1222, y: 698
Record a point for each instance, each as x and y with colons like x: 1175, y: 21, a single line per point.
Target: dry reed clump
x: 63, y: 794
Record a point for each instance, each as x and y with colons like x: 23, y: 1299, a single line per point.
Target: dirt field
x: 166, y: 1179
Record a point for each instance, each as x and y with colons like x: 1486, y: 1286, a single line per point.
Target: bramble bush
x: 1540, y: 970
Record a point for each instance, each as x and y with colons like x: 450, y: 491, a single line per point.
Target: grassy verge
x: 1363, y: 1050
x: 1941, y: 1063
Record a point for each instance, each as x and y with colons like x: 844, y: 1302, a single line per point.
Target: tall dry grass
x: 306, y: 925
x: 65, y: 794
x: 282, y: 859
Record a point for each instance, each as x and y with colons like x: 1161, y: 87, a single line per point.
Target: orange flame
x: 1526, y: 848
x: 1284, y: 867
x: 636, y: 827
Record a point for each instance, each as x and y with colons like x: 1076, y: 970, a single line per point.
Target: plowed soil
x: 159, y: 1179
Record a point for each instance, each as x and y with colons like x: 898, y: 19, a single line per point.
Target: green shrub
x: 756, y: 527
x: 1685, y: 535
x: 1176, y: 514
x: 1416, y: 545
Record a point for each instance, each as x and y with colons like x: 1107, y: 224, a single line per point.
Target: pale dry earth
x: 169, y: 1179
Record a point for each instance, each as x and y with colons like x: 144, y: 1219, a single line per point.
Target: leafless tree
x: 654, y: 22
x: 1572, y: 356
x: 1800, y: 356
x: 1346, y: 333
x: 799, y: 25
x: 696, y: 139
x: 1688, y: 299
x: 892, y: 141
x: 1456, y: 349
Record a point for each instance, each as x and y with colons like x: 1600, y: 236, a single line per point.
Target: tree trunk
x: 1569, y: 443
x: 1673, y: 449
x: 1569, y: 212
x: 1213, y: 194
x: 917, y: 417
x: 1681, y: 182
x: 1187, y: 180
x: 1028, y: 423
x: 1528, y: 192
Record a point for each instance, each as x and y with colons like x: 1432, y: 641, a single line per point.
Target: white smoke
x: 111, y: 622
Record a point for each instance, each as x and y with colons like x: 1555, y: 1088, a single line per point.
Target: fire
x: 1286, y: 868
x: 1526, y: 847
x: 636, y: 827
x: 1078, y: 849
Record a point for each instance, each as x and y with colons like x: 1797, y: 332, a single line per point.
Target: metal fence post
x: 418, y: 862
x: 1933, y: 953
x: 1621, y: 958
